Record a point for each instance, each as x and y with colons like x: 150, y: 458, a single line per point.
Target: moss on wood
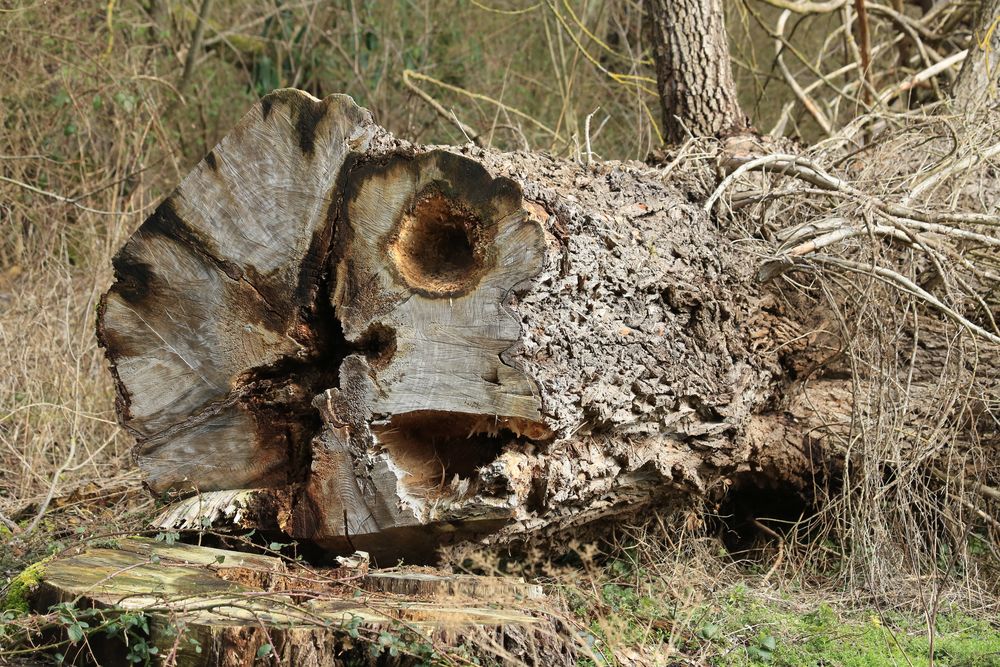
x: 22, y: 586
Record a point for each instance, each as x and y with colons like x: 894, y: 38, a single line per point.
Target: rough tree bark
x: 693, y: 70
x: 980, y: 74
x: 403, y: 346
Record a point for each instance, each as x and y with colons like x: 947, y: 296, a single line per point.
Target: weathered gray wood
x: 430, y: 249
x: 215, y: 288
x: 478, y: 344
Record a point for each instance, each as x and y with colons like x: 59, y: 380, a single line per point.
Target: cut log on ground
x: 207, y: 606
x: 384, y: 347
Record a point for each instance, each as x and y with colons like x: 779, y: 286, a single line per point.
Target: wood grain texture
x: 215, y: 607
x: 217, y: 283
x: 435, y: 585
x: 430, y: 250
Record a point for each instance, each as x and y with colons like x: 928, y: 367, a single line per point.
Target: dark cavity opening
x: 281, y: 395
x: 758, y: 512
x: 437, y: 450
x: 439, y: 248
x: 377, y: 344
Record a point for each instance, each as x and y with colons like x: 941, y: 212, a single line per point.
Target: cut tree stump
x: 372, y: 345
x: 209, y: 606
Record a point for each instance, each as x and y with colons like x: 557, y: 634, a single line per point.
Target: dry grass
x: 908, y: 298
x: 57, y: 425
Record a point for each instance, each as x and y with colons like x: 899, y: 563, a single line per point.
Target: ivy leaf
x: 75, y: 632
x: 709, y: 631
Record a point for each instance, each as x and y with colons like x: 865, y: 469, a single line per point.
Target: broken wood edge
x: 262, y: 509
x: 431, y: 250
x: 231, y: 227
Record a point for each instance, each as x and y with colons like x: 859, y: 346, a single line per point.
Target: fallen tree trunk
x: 406, y: 346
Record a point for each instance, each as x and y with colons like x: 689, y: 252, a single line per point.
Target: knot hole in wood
x: 439, y: 247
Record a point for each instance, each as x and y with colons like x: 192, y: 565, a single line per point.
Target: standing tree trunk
x: 693, y: 70
x: 980, y: 74
x: 398, y: 347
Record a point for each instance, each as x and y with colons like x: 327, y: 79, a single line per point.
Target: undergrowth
x: 665, y: 593
x: 650, y: 597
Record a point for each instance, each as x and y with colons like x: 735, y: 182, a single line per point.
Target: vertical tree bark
x: 693, y: 70
x: 978, y: 79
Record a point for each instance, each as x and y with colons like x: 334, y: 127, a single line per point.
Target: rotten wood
x: 373, y: 345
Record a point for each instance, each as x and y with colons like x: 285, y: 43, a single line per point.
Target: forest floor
x: 656, y: 594
x: 98, y: 124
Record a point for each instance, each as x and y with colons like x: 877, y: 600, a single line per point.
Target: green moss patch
x: 22, y: 586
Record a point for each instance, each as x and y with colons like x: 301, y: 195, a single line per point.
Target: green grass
x: 737, y: 625
x: 757, y: 632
